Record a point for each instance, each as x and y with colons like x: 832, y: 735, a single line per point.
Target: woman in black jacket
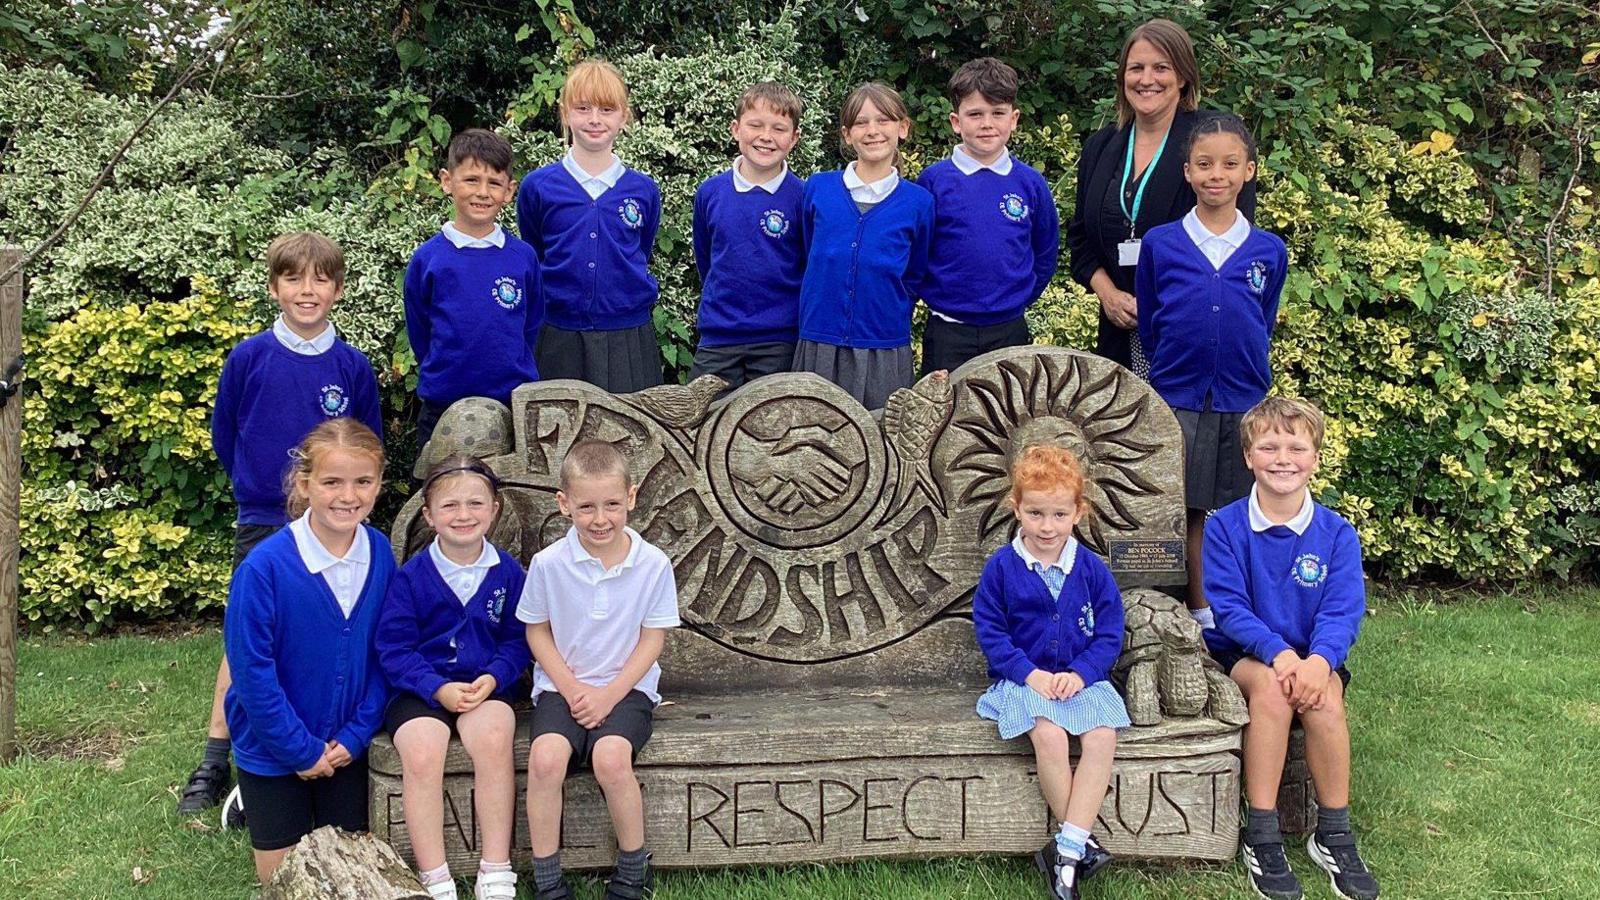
x: 1130, y: 178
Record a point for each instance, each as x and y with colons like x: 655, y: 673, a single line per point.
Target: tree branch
x: 1579, y: 139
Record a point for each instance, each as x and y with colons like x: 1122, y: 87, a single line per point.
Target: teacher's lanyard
x: 1144, y: 180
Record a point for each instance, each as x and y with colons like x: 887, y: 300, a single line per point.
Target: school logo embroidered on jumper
x: 1014, y: 207
x: 632, y: 216
x: 507, y: 292
x: 333, y: 401
x: 1256, y: 275
x: 1309, y: 570
x: 774, y: 224
x: 497, y: 605
x: 1086, y: 619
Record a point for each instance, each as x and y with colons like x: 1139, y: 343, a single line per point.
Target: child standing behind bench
x: 275, y: 388
x: 597, y: 604
x: 472, y: 295
x: 451, y: 647
x: 747, y: 245
x: 1284, y: 577
x: 593, y: 222
x: 1048, y: 617
x: 996, y: 234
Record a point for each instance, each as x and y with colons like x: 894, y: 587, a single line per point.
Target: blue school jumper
x: 594, y: 254
x: 303, y: 674
x: 996, y: 239
x: 1275, y: 590
x: 268, y: 399
x: 1205, y: 330
x: 1020, y: 627
x: 427, y: 637
x: 472, y: 316
x: 860, y: 265
x: 748, y: 248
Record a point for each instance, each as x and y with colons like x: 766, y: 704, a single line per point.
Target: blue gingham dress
x: 1014, y: 707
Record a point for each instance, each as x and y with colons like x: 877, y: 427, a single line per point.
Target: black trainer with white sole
x: 1336, y: 855
x: 1268, y: 870
x: 233, y: 811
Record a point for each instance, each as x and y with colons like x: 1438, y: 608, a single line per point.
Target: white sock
x: 1203, y: 615
x: 485, y: 867
x: 1070, y: 841
x: 434, y: 876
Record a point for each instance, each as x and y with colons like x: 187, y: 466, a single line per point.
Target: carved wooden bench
x: 820, y: 698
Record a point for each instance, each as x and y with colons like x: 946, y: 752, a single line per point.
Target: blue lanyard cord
x: 1144, y: 179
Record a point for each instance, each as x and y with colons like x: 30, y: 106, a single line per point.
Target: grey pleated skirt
x: 1214, y: 473
x: 870, y: 376
x: 621, y: 361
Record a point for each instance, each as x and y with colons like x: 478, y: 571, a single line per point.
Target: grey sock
x: 1333, y: 821
x: 216, y: 752
x: 1261, y: 827
x: 547, y: 871
x: 630, y: 865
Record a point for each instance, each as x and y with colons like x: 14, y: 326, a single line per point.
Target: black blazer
x: 1092, y: 238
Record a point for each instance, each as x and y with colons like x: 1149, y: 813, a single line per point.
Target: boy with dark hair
x: 276, y: 386
x: 1283, y: 574
x: 995, y: 232
x: 472, y: 294
x: 748, y: 246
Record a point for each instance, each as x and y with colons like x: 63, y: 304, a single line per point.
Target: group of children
x: 816, y: 276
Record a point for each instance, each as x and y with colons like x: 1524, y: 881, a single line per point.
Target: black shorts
x: 949, y: 345
x: 1230, y: 659
x: 407, y: 706
x: 630, y: 719
x: 246, y: 537
x: 738, y: 364
x: 282, y: 809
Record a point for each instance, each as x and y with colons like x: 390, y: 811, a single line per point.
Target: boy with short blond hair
x: 597, y: 604
x: 473, y: 300
x: 996, y: 233
x: 748, y: 247
x: 1283, y: 574
x: 276, y: 386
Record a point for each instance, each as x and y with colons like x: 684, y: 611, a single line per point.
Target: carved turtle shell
x: 1154, y: 622
x: 475, y: 425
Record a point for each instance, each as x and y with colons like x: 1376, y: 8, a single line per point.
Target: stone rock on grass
x: 329, y: 864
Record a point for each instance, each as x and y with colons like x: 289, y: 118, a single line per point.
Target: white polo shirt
x: 345, y: 575
x: 595, y: 613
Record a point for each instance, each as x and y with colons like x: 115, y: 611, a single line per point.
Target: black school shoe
x: 1049, y: 863
x: 562, y: 891
x: 206, y: 786
x: 619, y: 889
x: 1336, y: 855
x: 1269, y: 872
x: 1095, y: 858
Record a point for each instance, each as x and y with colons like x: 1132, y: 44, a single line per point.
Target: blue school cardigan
x: 748, y: 249
x: 1275, y: 590
x: 1205, y: 330
x: 472, y: 316
x: 996, y: 239
x: 1021, y: 627
x: 268, y: 400
x: 303, y: 674
x: 428, y: 637
x: 594, y: 254
x: 860, y: 266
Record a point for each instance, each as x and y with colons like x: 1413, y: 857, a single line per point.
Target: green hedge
x: 1464, y: 399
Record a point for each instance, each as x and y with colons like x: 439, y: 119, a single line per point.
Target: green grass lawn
x: 1477, y: 747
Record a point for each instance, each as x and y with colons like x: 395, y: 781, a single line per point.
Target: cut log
x: 330, y: 864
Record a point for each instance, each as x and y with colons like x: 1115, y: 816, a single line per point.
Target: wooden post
x: 10, y: 488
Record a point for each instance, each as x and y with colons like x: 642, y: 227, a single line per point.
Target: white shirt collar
x: 317, y: 558
x: 744, y: 185
x: 1298, y: 524
x: 969, y: 166
x: 487, y: 559
x: 462, y: 240
x: 609, y: 177
x: 1069, y: 555
x: 581, y: 553
x: 317, y: 346
x: 862, y: 192
x: 1234, y: 237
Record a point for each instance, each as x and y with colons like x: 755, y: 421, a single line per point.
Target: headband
x: 476, y: 467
